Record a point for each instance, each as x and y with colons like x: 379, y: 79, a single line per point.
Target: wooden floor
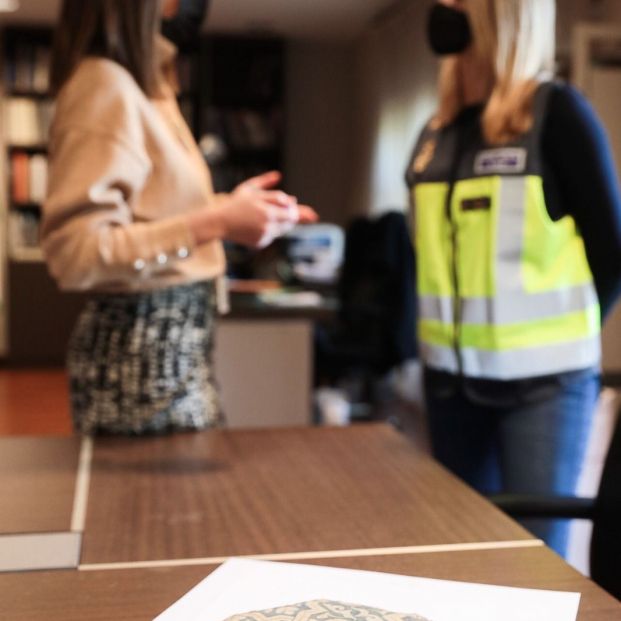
x: 34, y: 402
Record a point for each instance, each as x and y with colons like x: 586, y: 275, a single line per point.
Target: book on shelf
x: 245, y: 129
x: 23, y: 68
x: 28, y: 177
x: 227, y: 176
x: 259, y: 129
x: 184, y: 73
x: 37, y: 177
x: 24, y: 231
x: 28, y: 121
x: 20, y: 185
x: 41, y: 73
x: 28, y: 68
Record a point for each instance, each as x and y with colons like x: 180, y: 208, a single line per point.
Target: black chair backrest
x: 606, y: 540
x: 376, y: 288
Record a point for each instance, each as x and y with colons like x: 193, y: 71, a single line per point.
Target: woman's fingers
x: 307, y: 215
x: 264, y: 182
x: 282, y: 219
x: 292, y: 212
x: 283, y: 214
x: 287, y: 208
x: 288, y: 205
x: 276, y: 197
x: 297, y: 213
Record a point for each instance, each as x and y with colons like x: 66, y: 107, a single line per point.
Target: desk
x: 273, y: 491
x: 259, y: 349
x: 162, y: 512
x: 37, y: 484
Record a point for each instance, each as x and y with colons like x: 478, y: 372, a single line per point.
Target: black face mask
x: 448, y: 30
x: 184, y: 28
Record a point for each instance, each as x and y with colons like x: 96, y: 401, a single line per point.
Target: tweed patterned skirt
x: 141, y: 363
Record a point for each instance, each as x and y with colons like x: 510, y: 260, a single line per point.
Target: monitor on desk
x: 316, y: 252
x: 307, y: 255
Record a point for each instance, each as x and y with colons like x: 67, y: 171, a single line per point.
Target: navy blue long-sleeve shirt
x: 581, y: 180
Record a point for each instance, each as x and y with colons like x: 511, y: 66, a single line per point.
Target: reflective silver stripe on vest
x: 435, y: 309
x: 510, y: 307
x: 518, y: 363
x: 438, y: 357
x: 510, y: 234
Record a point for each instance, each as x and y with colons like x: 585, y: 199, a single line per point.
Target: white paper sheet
x: 242, y: 585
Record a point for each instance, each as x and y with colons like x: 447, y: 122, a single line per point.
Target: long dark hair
x: 120, y: 30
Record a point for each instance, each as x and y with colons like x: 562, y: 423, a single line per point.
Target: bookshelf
x: 36, y: 318
x: 240, y: 120
x: 241, y: 107
x: 230, y: 93
x: 27, y: 110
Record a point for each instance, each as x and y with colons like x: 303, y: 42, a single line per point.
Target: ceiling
x: 331, y: 19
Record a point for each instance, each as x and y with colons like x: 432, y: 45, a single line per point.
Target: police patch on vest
x: 476, y: 204
x: 500, y: 161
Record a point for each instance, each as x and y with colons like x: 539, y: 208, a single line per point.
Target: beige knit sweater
x: 124, y: 169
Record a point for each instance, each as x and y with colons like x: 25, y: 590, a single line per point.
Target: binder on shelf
x: 41, y: 72
x: 28, y: 121
x: 20, y: 184
x: 23, y: 67
x: 28, y: 178
x: 21, y: 121
x: 28, y: 68
x: 37, y: 177
x: 245, y: 129
x: 24, y: 233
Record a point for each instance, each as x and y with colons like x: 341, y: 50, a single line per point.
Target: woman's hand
x: 253, y: 215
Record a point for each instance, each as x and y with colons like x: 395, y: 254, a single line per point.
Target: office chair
x: 604, y: 511
x: 375, y: 328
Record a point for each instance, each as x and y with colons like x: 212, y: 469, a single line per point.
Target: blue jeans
x: 534, y: 446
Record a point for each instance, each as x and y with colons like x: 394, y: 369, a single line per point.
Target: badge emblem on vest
x: 423, y: 159
x: 505, y: 161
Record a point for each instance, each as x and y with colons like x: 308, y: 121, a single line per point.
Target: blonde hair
x: 516, y: 39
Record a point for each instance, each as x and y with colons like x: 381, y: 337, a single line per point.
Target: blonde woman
x: 131, y: 216
x: 518, y: 240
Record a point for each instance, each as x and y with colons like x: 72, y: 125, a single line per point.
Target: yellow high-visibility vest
x: 504, y: 292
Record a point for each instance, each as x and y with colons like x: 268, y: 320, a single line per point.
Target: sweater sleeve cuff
x: 167, y: 241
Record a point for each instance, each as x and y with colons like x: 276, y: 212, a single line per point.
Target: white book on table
x: 242, y: 585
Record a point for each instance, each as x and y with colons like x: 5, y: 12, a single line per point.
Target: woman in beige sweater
x: 131, y: 215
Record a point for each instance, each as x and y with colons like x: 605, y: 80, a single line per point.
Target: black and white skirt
x: 141, y: 363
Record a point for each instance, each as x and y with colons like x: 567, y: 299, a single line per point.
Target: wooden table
x: 266, y: 492
x: 162, y: 513
x: 259, y: 348
x: 142, y: 594
x: 37, y: 484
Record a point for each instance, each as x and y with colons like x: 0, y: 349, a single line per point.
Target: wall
x: 611, y: 9
x: 319, y: 129
x: 395, y: 94
x: 569, y: 12
x: 354, y: 111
